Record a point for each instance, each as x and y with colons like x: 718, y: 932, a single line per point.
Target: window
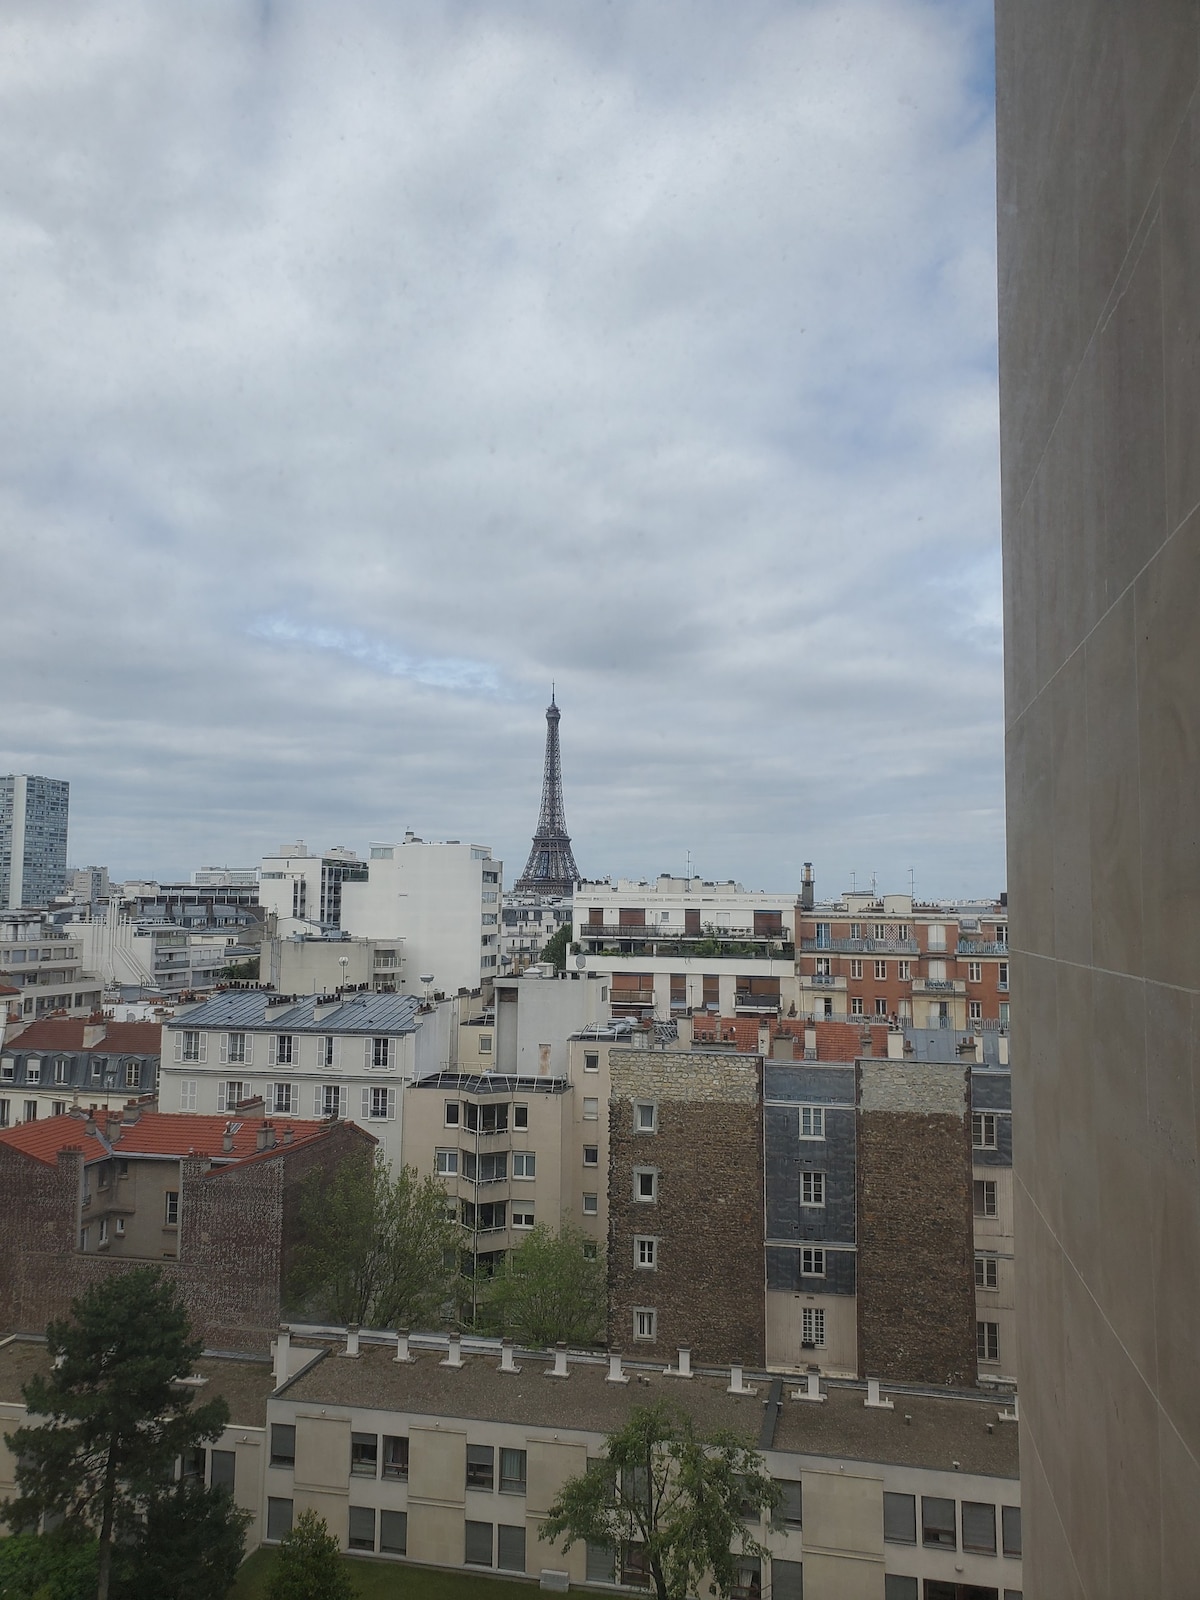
x: 591, y: 1205
x: 975, y: 1010
x: 228, y: 1095
x: 787, y: 1579
x: 591, y: 1155
x: 984, y: 1192
x: 645, y: 1251
x: 978, y: 1528
x: 821, y: 966
x: 31, y: 1110
x: 898, y: 1587
x: 58, y: 1108
x: 937, y: 1522
x: 791, y: 1508
x: 481, y: 1466
x: 235, y: 1047
x: 987, y: 1338
x: 899, y: 1518
x: 590, y: 1250
x: 987, y: 1272
x: 812, y: 1326
x: 645, y: 1323
x: 522, y: 1216
x: 381, y: 1052
x: 591, y: 1061
x: 477, y: 1544
x: 171, y: 1209
x: 379, y: 1105
x: 8, y: 1070
x: 33, y: 1072
x: 601, y: 1563
x: 881, y: 1006
x: 120, y: 1227
x: 823, y: 935
x: 1002, y: 975
x: 103, y: 1230
x: 282, y: 1099
x: 510, y: 1548
x: 485, y: 1044
x: 1010, y: 1527
x: 974, y: 971
x: 486, y: 1119
x: 279, y: 1518
x: 524, y: 1164
x: 812, y: 1188
x: 812, y: 1262
x: 520, y: 1116
x: 645, y: 1116
x: 60, y: 1074
x: 361, y: 1531
x: 221, y: 1475
x: 330, y: 1100
x: 283, y: 1444
x: 983, y: 1130
x: 326, y: 1051
x: 447, y: 1163
x: 645, y: 1184
x: 591, y: 1110
x: 281, y: 1051
x: 881, y: 971
x: 187, y: 1094
x: 856, y: 969
x: 512, y: 1471
x: 453, y: 1113
x: 635, y: 1569
x: 904, y: 970
x: 193, y: 1046
x: 856, y: 1006
x: 395, y: 1456
x: 5, y: 1113
x: 364, y: 1455
x: 393, y: 1533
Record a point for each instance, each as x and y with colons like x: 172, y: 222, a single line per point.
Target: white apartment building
x: 348, y: 1057
x: 45, y: 965
x: 304, y: 891
x: 442, y: 898
x: 527, y: 923
x: 685, y: 944
x: 159, y: 956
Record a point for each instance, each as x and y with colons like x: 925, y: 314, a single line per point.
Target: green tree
x: 681, y: 1498
x: 550, y: 1289
x: 117, y: 1417
x: 309, y: 1566
x: 246, y: 970
x: 47, y: 1566
x: 374, y: 1249
x: 192, y: 1543
x: 555, y: 947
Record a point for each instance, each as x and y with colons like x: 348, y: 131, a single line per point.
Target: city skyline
x: 363, y: 383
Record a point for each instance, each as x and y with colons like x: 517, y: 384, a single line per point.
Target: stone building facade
x: 685, y: 1261
x: 916, y: 1300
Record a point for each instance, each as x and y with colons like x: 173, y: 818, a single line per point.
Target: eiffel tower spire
x: 551, y: 868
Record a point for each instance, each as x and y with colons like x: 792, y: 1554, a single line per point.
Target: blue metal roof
x: 246, y: 1010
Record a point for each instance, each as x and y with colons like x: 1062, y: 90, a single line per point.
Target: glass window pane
x: 512, y: 1471
x: 223, y: 1464
x: 900, y: 1518
x: 478, y: 1547
x: 480, y: 1472
x: 279, y: 1518
x: 787, y: 1580
x: 979, y: 1527
x: 362, y: 1528
x: 897, y: 1588
x: 938, y: 1522
x: 393, y: 1532
x: 510, y: 1548
x: 1011, y: 1521
x: 790, y: 1506
x: 283, y: 1445
x: 601, y: 1562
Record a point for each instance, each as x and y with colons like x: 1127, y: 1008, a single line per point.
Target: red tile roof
x: 155, y: 1133
x: 836, y: 1041
x: 52, y: 1033
x: 67, y: 1033
x: 130, y: 1039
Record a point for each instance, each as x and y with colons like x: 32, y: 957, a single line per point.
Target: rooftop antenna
x: 853, y: 883
x: 689, y: 866
x: 912, y: 884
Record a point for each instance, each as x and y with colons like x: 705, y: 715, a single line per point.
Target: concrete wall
x: 1099, y: 233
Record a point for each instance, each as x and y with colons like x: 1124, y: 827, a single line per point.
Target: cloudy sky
x: 369, y: 366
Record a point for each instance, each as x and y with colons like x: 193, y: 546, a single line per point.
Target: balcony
x: 820, y: 980
x: 756, y: 1002
x: 632, y: 997
x: 939, y: 986
x: 981, y: 947
x: 857, y: 947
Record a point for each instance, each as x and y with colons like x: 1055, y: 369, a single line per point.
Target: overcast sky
x: 368, y: 366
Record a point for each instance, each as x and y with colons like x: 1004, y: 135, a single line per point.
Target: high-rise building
x: 1098, y: 125
x: 33, y: 840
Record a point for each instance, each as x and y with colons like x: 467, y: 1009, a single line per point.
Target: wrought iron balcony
x: 855, y: 947
x: 981, y: 947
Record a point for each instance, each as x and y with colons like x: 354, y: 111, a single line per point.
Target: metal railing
x: 893, y: 947
x: 981, y: 947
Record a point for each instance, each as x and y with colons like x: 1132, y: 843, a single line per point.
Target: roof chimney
x: 227, y: 1139
x: 807, y: 888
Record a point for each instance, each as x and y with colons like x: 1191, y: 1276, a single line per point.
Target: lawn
x: 379, y: 1580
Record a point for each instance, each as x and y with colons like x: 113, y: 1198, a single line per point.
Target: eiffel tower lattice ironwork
x: 551, y: 868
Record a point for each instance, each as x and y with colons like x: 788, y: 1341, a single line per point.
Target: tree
x: 550, y: 1289
x: 118, y: 1419
x: 679, y: 1497
x: 191, y: 1547
x: 244, y: 970
x: 309, y: 1565
x: 47, y: 1566
x: 376, y: 1250
x: 555, y: 947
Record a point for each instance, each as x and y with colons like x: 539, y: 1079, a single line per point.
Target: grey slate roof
x: 246, y: 1010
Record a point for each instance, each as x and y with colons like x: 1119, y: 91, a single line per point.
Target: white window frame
x: 812, y: 1188
x: 275, y: 1057
x: 856, y: 1006
x: 521, y: 1218
x: 281, y: 1091
x: 187, y: 1094
x: 984, y: 1128
x: 371, y: 1099
x: 974, y: 971
x: 445, y: 1163
x: 329, y: 1052
x: 485, y: 1044
x: 645, y: 1324
x: 645, y: 1172
x: 856, y: 969
x: 528, y: 1170
x: 372, y: 1053
x: 452, y: 1114
x: 975, y: 1010
x: 904, y: 971
x: 320, y: 1091
x: 881, y: 972
x: 821, y: 967
x: 987, y: 1340
x: 987, y: 1272
x: 989, y: 1197
x: 812, y: 1122
x: 645, y: 1252
x: 194, y: 1052
x: 228, y: 1055
x: 641, y: 1122
x: 591, y: 1109
x: 591, y: 1205
x: 812, y: 1261
x: 224, y: 1102
x: 812, y: 1326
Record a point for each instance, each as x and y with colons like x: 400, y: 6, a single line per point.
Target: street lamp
x: 343, y: 962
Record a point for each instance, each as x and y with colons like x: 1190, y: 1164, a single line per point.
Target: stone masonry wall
x: 916, y: 1297
x: 707, y: 1287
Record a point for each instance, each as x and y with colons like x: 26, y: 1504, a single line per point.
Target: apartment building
x: 305, y: 963
x: 527, y: 923
x: 683, y: 944
x: 304, y: 890
x: 166, y: 958
x: 442, y: 899
x: 44, y: 963
x: 33, y: 840
x: 50, y: 1067
x: 304, y: 1057
x: 212, y: 1200
x: 887, y: 957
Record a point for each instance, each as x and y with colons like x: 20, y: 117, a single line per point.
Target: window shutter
x: 179, y: 1047
x: 318, y: 1101
x: 272, y: 1046
x: 224, y: 1048
x: 342, y: 1100
x: 249, y: 1048
x: 366, y: 1104
x: 367, y: 1052
x: 391, y: 1105
x: 221, y: 1104
x: 204, y: 1047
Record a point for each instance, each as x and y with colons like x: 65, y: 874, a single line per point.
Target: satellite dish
x: 581, y: 962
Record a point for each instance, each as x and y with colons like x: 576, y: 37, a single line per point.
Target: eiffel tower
x: 551, y: 868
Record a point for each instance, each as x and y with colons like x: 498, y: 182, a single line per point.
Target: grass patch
x: 385, y: 1580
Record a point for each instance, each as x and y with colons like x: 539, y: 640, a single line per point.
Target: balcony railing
x: 854, y: 947
x: 822, y: 980
x: 938, y: 986
x: 632, y: 997
x: 756, y: 1002
x: 981, y: 947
